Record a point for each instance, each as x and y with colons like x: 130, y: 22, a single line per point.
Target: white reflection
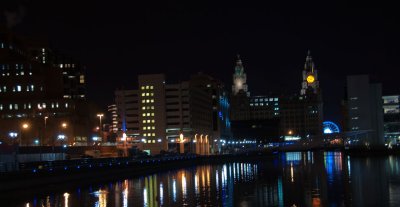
x: 145, y: 203
x: 125, y: 194
x: 27, y: 205
x: 174, y: 189
x: 161, y: 194
x: 348, y: 166
x: 217, y: 179
x: 291, y: 172
x: 184, y: 189
x: 66, y: 196
x: 196, y: 184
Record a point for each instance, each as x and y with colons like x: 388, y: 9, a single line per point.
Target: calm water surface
x: 288, y: 179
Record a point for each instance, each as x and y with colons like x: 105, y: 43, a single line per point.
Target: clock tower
x: 310, y: 82
x: 239, y: 78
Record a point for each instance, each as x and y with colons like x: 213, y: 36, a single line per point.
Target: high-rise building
x: 182, y: 117
x: 301, y: 115
x: 252, y: 117
x: 364, y: 109
x: 32, y: 96
x: 391, y: 118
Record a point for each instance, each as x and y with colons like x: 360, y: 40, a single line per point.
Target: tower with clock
x: 310, y: 82
x: 239, y: 78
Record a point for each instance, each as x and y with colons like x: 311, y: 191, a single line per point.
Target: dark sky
x: 117, y: 40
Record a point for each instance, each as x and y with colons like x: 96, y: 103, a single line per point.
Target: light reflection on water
x: 293, y: 178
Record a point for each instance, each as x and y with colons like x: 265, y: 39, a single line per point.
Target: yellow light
x: 310, y: 79
x: 290, y: 132
x: 25, y: 126
x: 181, y: 137
x: 64, y: 125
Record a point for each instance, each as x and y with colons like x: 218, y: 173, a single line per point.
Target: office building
x: 364, y: 109
x: 391, y: 118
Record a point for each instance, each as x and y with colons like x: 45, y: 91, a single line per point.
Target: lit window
x: 147, y: 87
x: 144, y: 114
x: 152, y: 107
x: 275, y: 99
x: 16, y: 106
x: 154, y: 141
x: 143, y: 101
x: 153, y: 127
x: 151, y: 94
x: 22, y: 73
x: 1, y: 107
x: 82, y: 79
x: 147, y: 101
x: 143, y: 94
x: 10, y: 106
x: 144, y: 128
x: 152, y: 100
x: 271, y: 99
x: 144, y: 121
x: 142, y: 87
x: 148, y: 114
x: 152, y: 114
x: 52, y: 105
x: 152, y: 121
x: 154, y: 134
x: 143, y: 108
x: 66, y: 105
x: 151, y: 87
x: 29, y: 105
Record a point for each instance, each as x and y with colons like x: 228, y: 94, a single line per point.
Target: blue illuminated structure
x: 330, y: 127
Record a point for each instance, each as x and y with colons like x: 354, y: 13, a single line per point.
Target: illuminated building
x: 310, y: 77
x: 302, y: 115
x: 391, y: 118
x: 157, y: 115
x: 364, y: 109
x: 239, y: 78
x: 33, y: 86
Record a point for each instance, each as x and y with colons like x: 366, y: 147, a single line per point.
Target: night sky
x: 118, y: 40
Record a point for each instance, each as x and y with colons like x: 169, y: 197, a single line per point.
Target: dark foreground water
x: 289, y: 179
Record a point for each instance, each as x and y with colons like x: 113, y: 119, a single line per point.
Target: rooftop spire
x: 309, y: 64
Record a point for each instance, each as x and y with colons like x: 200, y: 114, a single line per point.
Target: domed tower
x: 239, y: 78
x: 310, y: 82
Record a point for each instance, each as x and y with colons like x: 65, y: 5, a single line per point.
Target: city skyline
x: 118, y: 42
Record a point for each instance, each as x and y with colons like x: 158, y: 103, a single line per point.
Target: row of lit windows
x: 29, y: 106
x: 149, y: 134
x: 265, y: 99
x: 148, y: 101
x: 149, y: 128
x: 67, y: 65
x: 5, y: 67
x: 148, y: 121
x: 18, y: 88
x: 262, y: 104
x: 149, y: 141
x: 146, y: 87
x: 147, y: 107
x: 17, y: 74
x: 147, y: 114
x: 147, y: 94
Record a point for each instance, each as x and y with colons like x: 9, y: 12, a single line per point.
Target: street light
x: 64, y: 125
x: 100, y: 115
x: 25, y: 126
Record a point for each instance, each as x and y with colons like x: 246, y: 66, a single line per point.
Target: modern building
x: 391, y: 118
x: 364, y: 109
x: 34, y: 109
x: 182, y: 117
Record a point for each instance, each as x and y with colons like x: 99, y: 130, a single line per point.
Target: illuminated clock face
x: 310, y: 79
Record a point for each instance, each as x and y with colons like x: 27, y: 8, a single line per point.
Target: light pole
x: 44, y: 130
x: 101, y: 128
x: 25, y: 126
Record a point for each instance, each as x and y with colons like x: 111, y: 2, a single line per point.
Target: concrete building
x: 182, y: 117
x: 391, y: 118
x: 365, y: 114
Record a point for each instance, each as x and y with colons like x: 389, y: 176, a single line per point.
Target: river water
x: 287, y: 179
